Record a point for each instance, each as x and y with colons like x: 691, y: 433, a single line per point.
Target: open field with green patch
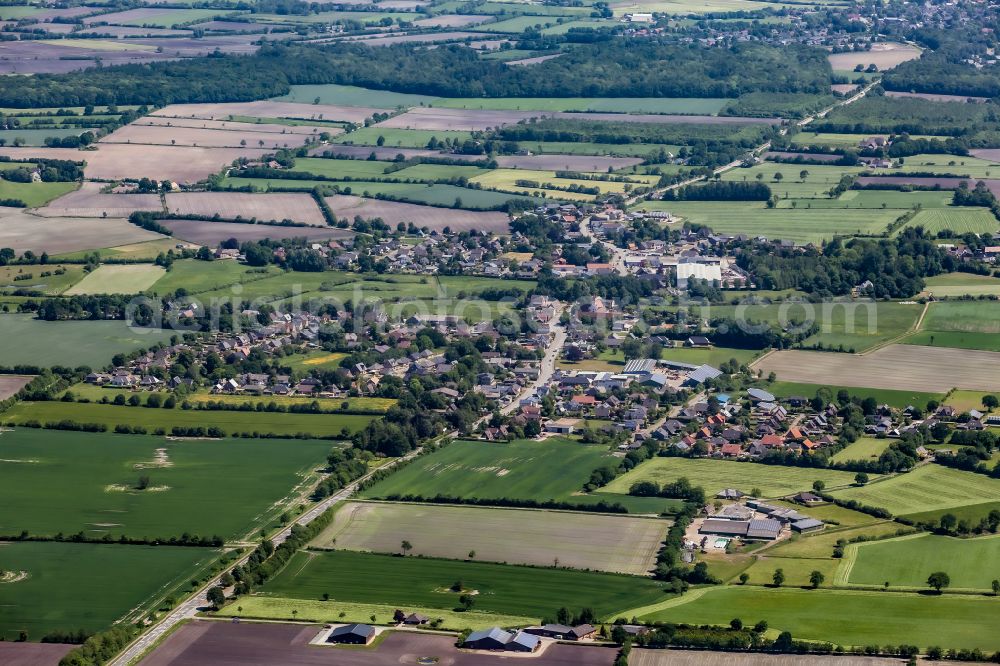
x: 233, y: 423
x: 960, y: 220
x: 820, y: 545
x: 68, y: 482
x: 800, y: 225
x: 908, y: 561
x: 37, y: 137
x: 34, y: 194
x: 507, y: 180
x: 926, y: 488
x: 277, y: 608
x: 523, y: 469
x: 70, y: 343
x: 965, y: 166
x: 47, y: 284
x: 876, y: 199
x: 197, y: 276
x: 899, y: 399
x: 118, y: 279
x: 73, y: 586
x: 796, y: 570
x: 354, y: 96
x: 844, y: 617
x: 960, y: 324
x: 527, y: 591
x: 785, y: 180
x: 669, y: 105
x: 617, y: 544
x: 714, y: 475
x: 400, y: 138
x: 864, y: 449
x: 970, y: 513
x: 962, y: 284
x: 964, y: 401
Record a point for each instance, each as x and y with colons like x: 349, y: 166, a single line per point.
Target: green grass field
x: 233, y: 423
x: 714, y: 475
x: 511, y: 590
x: 400, y: 138
x: 669, y: 105
x: 820, y: 545
x: 908, y: 561
x: 960, y: 324
x: 590, y: 148
x: 36, y: 137
x: 927, y: 488
x: 714, y: 356
x: 49, y: 284
x: 864, y: 449
x: 523, y: 469
x: 34, y: 194
x: 66, y: 482
x: 118, y: 279
x: 168, y: 18
x: 961, y: 284
x: 354, y: 96
x: 847, y: 618
x: 873, y: 199
x: 197, y: 276
x: 800, y: 225
x: 31, y: 341
x: 960, y: 220
x: 87, y: 586
x: 970, y: 167
x: 597, y: 542
x: 900, y: 399
x: 277, y: 608
x: 819, y: 180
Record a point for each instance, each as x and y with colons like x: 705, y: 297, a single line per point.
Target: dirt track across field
x: 901, y: 367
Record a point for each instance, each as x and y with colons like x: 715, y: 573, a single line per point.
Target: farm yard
x: 233, y: 423
x: 908, y: 561
x: 715, y: 475
x: 71, y: 586
x: 899, y: 367
x: 425, y: 582
x: 70, y: 343
x: 270, y: 207
x: 925, y: 489
x: 576, y: 540
x: 66, y: 482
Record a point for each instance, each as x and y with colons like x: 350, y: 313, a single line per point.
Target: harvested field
x: 119, y: 31
x: 212, y: 138
x: 211, y: 234
x: 37, y: 57
x: 185, y: 164
x: 452, y: 20
x: 617, y: 544
x: 268, y: 109
x: 844, y: 88
x: 393, y: 212
x: 230, y: 26
x: 118, y: 279
x: 884, y: 56
x: 32, y: 654
x: 566, y: 162
x: 903, y: 367
x: 11, y: 384
x: 532, y: 61
x: 936, y: 97
x: 478, y: 119
x: 89, y: 201
x: 248, y: 644
x: 229, y: 125
x: 22, y: 231
x: 274, y: 207
x: 640, y: 657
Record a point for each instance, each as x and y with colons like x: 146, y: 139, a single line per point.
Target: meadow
x: 50, y: 284
x: 354, y: 96
x: 511, y: 590
x: 400, y: 138
x: 232, y: 423
x: 34, y: 194
x: 960, y: 324
x: 715, y: 475
x: 960, y: 220
x: 898, y: 399
x: 908, y: 561
x: 523, y: 469
x: 846, y: 617
x: 118, y: 279
x: 962, y: 284
x: 68, y: 482
x: 277, y: 608
x: 875, y: 199
x: 864, y: 448
x: 73, y: 586
x: 617, y: 544
x: 786, y: 182
x: 926, y: 488
x: 820, y: 545
x: 70, y: 343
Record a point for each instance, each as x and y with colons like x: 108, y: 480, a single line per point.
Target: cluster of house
x: 755, y: 520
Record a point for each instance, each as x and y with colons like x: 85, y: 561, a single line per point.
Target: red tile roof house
x: 731, y: 450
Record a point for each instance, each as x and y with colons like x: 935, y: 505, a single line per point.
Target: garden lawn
x: 553, y: 469
x: 30, y: 341
x: 714, y: 475
x: 71, y: 586
x: 847, y: 618
x: 68, y: 482
x: 960, y: 324
x: 232, y: 423
x: 926, y: 488
x: 277, y: 608
x: 511, y: 590
x: 908, y: 561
